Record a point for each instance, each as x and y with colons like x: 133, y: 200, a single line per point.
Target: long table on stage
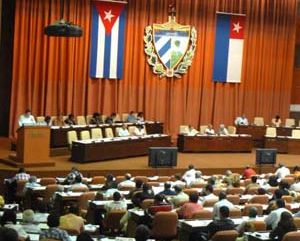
x: 58, y: 135
x: 283, y: 144
x: 206, y: 143
x: 118, y: 147
x: 258, y: 132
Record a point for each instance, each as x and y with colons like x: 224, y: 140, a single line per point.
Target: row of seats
x: 272, y: 132
x: 96, y: 133
x: 85, y: 120
x: 183, y: 129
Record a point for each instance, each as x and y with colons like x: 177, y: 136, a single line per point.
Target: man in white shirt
x: 123, y: 131
x: 222, y: 202
x: 209, y: 130
x: 192, y: 131
x: 282, y: 171
x: 26, y: 119
x: 139, y: 130
x: 241, y: 121
x: 209, y: 195
x: 190, y: 175
x: 117, y: 204
x: 296, y: 186
x: 274, y: 217
x: 127, y: 182
x: 223, y: 131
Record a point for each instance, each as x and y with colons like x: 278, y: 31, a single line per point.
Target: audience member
x: 32, y: 183
x: 127, y: 182
x: 78, y: 184
x: 22, y: 175
x: 198, y: 179
x: 208, y: 194
x: 28, y: 222
x: 138, y: 188
x: 282, y: 171
x: 273, y: 218
x: 248, y: 172
x: 180, y: 197
x: 54, y: 232
x: 8, y: 234
x: 222, y: 202
x: 143, y: 233
x: 147, y: 192
x: 160, y: 204
x: 251, y: 217
x: 178, y: 181
x: 296, y: 185
x: 118, y: 204
x: 72, y: 221
x: 296, y: 171
x: 253, y: 183
x: 190, y: 175
x: 110, y: 182
x: 26, y: 119
x: 285, y: 225
x: 188, y: 209
x: 70, y: 179
x: 167, y: 190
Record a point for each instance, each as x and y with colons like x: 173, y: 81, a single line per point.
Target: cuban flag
x: 229, y: 48
x: 108, y: 32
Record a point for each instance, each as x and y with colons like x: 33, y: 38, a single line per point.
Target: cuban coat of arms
x: 170, y: 47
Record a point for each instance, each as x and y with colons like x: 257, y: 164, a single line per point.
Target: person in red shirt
x: 188, y: 209
x: 248, y: 172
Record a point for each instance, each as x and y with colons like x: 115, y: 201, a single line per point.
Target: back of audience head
x: 209, y: 188
x: 127, y: 176
x: 117, y: 196
x: 21, y: 170
x: 78, y: 179
x: 193, y: 197
x: 211, y: 181
x: 224, y: 212
x: 296, y: 169
x: 177, y: 189
x: 286, y: 219
x: 167, y: 185
x: 146, y: 187
x: 109, y: 178
x: 280, y: 203
x: 273, y: 181
x: 28, y: 216
x: 222, y: 195
x: 142, y: 233
x: 254, y: 179
x: 74, y: 209
x: 84, y: 236
x: 284, y: 185
x: 9, y: 216
x: 53, y: 220
x: 198, y: 174
x: 8, y: 234
x: 261, y: 191
x: 277, y: 194
x: 138, y: 183
x: 252, y: 212
x: 191, y: 166
x: 158, y: 198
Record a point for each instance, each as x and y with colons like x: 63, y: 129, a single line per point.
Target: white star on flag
x: 237, y: 27
x: 108, y: 15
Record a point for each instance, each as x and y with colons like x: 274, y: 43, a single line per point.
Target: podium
x: 33, y: 146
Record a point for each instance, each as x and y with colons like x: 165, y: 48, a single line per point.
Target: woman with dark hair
x: 285, y: 225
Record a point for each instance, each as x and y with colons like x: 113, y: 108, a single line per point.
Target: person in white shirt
x: 139, y: 130
x: 209, y: 130
x: 179, y: 198
x: 209, y: 195
x: 223, y: 130
x: 26, y: 119
x: 190, y: 175
x: 127, y: 182
x: 296, y: 186
x: 118, y: 204
x: 273, y: 218
x: 222, y: 202
x: 192, y: 131
x: 123, y: 131
x: 241, y: 120
x: 178, y: 181
x: 282, y: 171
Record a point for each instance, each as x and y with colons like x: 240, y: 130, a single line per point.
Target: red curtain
x: 51, y: 75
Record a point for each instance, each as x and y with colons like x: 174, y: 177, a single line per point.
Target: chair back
x: 297, y: 222
x: 252, y: 190
x: 124, y: 117
x: 147, y: 203
x: 112, y: 220
x: 85, y: 135
x: 291, y: 236
x: 72, y: 136
x: 40, y: 119
x: 81, y: 120
x: 183, y: 129
x: 98, y: 180
x: 190, y: 191
x: 210, y: 202
x: 287, y: 198
x: 271, y: 132
x: 143, y: 178
x: 289, y: 122
x: 217, y: 191
x: 231, y: 130
x: 289, y: 180
x: 247, y: 207
x: 83, y: 202
x: 259, y: 225
x: 117, y: 130
x: 165, y: 225
x: 202, y: 129
x: 261, y: 199
x: 296, y: 134
x: 227, y: 235
x: 118, y: 118
x: 235, y: 190
x: 234, y: 199
x: 203, y: 214
x: 96, y: 133
x: 88, y: 119
x: 47, y: 180
x: 131, y: 130
x: 235, y: 213
x: 20, y: 187
x: 164, y: 178
x: 109, y: 132
x: 259, y: 121
x: 49, y: 192
x: 80, y: 189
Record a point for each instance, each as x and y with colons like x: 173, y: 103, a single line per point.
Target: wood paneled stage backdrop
x: 51, y: 75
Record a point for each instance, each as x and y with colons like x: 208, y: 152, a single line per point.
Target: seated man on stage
x: 131, y: 118
x: 111, y: 119
x: 27, y: 119
x: 123, y: 131
x: 241, y: 120
x: 209, y: 130
x: 223, y: 130
x: 140, y: 117
x: 70, y: 120
x: 139, y: 130
x: 192, y: 131
x: 96, y: 119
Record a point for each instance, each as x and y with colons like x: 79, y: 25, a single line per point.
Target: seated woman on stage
x: 70, y: 120
x: 209, y: 130
x: 223, y: 131
x: 276, y: 122
x: 96, y: 119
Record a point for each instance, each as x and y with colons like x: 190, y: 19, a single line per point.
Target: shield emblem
x: 171, y: 44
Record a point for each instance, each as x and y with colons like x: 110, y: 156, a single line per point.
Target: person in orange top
x: 248, y: 172
x: 188, y: 209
